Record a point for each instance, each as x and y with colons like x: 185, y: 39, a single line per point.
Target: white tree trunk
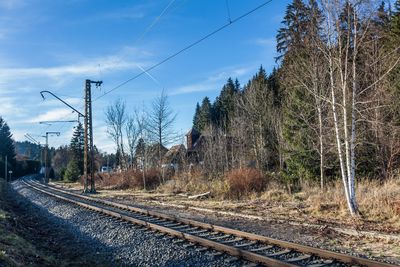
x: 339, y: 145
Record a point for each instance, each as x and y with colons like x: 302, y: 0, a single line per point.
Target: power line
x: 149, y: 27
x: 184, y: 49
x: 228, y: 10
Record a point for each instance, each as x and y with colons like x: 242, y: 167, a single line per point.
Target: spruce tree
x: 393, y: 43
x: 395, y: 20
x: 205, y: 114
x: 196, y: 117
x: 301, y: 29
x: 6, y: 147
x: 291, y: 35
x: 225, y: 104
x: 72, y: 172
x: 77, y: 146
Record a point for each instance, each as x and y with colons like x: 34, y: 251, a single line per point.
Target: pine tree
x: 394, y: 41
x: 296, y: 44
x: 6, y: 147
x: 196, y: 117
x: 205, y: 114
x: 395, y: 20
x: 292, y: 34
x: 225, y: 105
x: 72, y: 172
x: 77, y: 146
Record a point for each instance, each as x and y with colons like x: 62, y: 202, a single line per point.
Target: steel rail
x: 253, y: 257
x: 324, y: 254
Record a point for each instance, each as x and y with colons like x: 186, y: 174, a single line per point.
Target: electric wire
x: 141, y: 36
x: 145, y: 71
x: 184, y: 49
x: 228, y: 10
x: 147, y: 29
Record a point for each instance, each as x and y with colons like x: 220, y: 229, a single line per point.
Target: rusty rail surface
x: 252, y: 247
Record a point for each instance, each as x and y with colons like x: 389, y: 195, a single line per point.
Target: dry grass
x: 244, y: 182
x: 196, y: 183
x: 129, y: 179
x: 235, y: 184
x: 378, y: 201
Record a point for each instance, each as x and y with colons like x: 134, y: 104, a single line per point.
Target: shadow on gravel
x: 53, y: 236
x: 84, y: 238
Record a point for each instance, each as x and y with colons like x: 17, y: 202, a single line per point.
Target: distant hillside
x: 28, y: 149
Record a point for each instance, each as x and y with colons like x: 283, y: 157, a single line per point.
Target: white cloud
x: 8, y: 107
x: 54, y: 114
x: 213, y: 82
x: 269, y: 42
x: 92, y: 68
x: 192, y: 88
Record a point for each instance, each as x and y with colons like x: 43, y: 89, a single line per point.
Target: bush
x: 152, y: 177
x: 72, y: 172
x: 243, y: 182
x: 129, y: 179
x: 62, y: 173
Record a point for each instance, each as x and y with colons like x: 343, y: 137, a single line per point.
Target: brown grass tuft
x: 129, y: 179
x: 243, y: 182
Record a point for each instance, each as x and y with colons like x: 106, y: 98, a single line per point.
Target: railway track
x: 251, y: 247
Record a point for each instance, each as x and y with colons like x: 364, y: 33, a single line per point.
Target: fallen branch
x: 206, y: 194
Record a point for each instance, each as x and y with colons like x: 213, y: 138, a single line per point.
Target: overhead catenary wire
x: 146, y: 71
x: 137, y: 40
x: 146, y: 30
x: 185, y: 48
x: 228, y: 10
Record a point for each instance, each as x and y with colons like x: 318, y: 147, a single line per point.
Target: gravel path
x: 121, y: 244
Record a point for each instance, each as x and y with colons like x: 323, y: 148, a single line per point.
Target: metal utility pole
x: 46, y: 179
x: 79, y: 115
x: 88, y: 132
x: 89, y: 138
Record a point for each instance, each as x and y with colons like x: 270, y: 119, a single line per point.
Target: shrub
x: 129, y: 179
x: 243, y: 182
x: 152, y: 177
x: 72, y: 171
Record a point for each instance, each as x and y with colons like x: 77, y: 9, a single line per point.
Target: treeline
x: 7, y: 149
x: 67, y: 161
x: 331, y: 109
x: 19, y: 166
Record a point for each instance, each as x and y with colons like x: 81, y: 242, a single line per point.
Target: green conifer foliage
x: 6, y: 147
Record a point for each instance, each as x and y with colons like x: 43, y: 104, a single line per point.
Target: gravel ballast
x: 120, y: 243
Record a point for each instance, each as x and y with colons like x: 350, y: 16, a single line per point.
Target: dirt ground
x: 281, y: 220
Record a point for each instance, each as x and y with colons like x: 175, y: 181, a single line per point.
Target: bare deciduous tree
x: 116, y: 119
x: 133, y: 130
x: 160, y: 123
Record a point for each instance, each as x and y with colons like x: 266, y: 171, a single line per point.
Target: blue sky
x: 56, y: 44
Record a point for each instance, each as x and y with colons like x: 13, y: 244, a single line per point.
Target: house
x: 175, y: 157
x: 191, y: 137
x: 150, y: 156
x: 195, y: 143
